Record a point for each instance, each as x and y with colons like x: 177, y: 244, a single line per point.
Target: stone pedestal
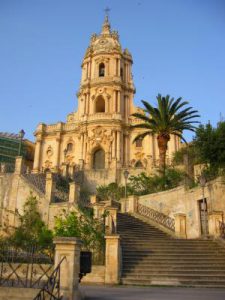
x: 19, y: 165
x: 111, y: 219
x: 93, y: 199
x: 49, y: 187
x: 180, y: 225
x: 132, y: 204
x: 74, y: 193
x: 69, y: 248
x: 215, y: 218
x: 123, y: 205
x: 112, y: 259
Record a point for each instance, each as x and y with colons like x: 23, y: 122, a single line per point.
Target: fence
x: 30, y: 267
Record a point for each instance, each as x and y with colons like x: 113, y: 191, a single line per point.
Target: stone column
x: 132, y: 204
x: 68, y: 247
x: 111, y: 219
x: 123, y: 205
x: 180, y: 225
x: 118, y: 146
x: 215, y: 218
x: 57, y: 151
x: 19, y: 165
x: 112, y: 259
x: 37, y: 155
x: 93, y: 199
x: 119, y: 102
x: 49, y: 187
x: 114, y: 145
x: 74, y: 193
x: 119, y: 66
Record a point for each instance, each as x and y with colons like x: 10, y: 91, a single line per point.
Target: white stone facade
x: 98, y: 137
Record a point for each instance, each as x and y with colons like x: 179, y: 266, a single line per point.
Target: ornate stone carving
x: 48, y: 164
x: 49, y: 151
x: 100, y: 136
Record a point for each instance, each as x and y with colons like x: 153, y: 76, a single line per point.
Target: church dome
x: 106, y: 42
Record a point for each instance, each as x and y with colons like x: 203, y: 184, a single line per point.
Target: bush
x: 32, y: 230
x: 111, y: 191
x: 85, y: 227
x: 143, y: 184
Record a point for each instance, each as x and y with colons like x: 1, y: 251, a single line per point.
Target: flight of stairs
x: 152, y: 257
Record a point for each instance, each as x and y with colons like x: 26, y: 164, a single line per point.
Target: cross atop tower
x: 107, y: 10
x: 106, y: 25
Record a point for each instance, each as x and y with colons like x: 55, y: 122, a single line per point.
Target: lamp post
x: 126, y: 175
x: 202, y: 181
x: 21, y: 136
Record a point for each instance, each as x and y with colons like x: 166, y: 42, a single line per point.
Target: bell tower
x: 106, y: 81
x: 105, y: 97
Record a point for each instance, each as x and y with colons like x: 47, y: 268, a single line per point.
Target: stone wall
x: 181, y: 200
x: 14, y: 191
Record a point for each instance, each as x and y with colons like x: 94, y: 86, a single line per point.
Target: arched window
x: 99, y: 159
x: 121, y: 73
x: 138, y: 164
x: 69, y: 147
x: 101, y: 70
x: 100, y: 105
x: 138, y: 143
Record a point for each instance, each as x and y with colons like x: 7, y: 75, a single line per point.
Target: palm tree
x: 170, y: 117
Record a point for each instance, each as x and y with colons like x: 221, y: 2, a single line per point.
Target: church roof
x: 105, y: 42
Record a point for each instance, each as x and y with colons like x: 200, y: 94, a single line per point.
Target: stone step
x: 174, y: 272
x: 175, y: 282
x: 152, y: 257
x: 171, y: 255
x: 171, y: 264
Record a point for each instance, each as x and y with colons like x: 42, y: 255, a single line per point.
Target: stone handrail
x: 156, y: 216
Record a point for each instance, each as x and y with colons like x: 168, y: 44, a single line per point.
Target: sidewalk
x: 151, y: 293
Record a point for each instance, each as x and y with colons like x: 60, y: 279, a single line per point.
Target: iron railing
x: 51, y: 289
x: 24, y: 268
x: 156, y: 216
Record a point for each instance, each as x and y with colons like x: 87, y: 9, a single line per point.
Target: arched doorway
x: 138, y: 164
x: 100, y: 104
x: 99, y: 159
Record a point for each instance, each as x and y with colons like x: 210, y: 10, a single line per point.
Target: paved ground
x: 151, y: 293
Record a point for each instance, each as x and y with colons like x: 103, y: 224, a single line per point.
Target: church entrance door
x: 99, y: 159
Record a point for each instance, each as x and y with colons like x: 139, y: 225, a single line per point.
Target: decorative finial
x: 106, y: 25
x: 107, y: 10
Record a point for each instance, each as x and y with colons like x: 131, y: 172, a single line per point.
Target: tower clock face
x: 103, y: 42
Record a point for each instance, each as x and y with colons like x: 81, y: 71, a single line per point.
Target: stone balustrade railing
x: 156, y: 216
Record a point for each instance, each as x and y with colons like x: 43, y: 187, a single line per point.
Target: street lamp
x: 126, y: 175
x: 21, y: 136
x: 202, y: 181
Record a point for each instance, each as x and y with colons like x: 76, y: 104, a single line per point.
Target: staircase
x: 151, y: 257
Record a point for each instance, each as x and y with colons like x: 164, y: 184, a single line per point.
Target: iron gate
x: 30, y: 267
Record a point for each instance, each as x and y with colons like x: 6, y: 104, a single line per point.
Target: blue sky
x: 178, y: 48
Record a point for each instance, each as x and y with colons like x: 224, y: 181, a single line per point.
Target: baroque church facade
x: 98, y: 137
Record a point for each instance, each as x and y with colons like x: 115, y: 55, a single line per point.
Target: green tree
x: 31, y: 230
x: 170, y: 117
x: 143, y: 184
x: 111, y: 191
x: 209, y: 143
x: 85, y: 227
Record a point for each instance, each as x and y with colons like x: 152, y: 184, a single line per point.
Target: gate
x: 27, y: 268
